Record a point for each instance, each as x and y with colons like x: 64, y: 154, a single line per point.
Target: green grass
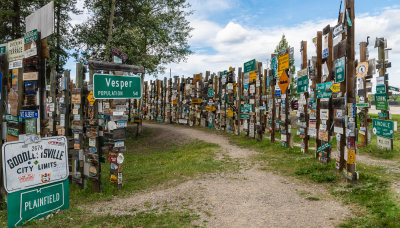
x: 163, y: 166
x: 377, y: 205
x: 372, y: 149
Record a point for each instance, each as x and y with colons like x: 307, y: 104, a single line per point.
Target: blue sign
x: 277, y: 93
x: 26, y: 114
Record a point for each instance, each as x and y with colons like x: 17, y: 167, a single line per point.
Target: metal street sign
x: 246, y: 108
x: 362, y: 105
x: 116, y: 87
x: 302, y: 84
x: 36, y: 164
x: 211, y: 92
x: 335, y: 88
x: 323, y: 90
x: 277, y: 93
x: 394, y: 88
x: 274, y: 66
x: 362, y: 69
x: 339, y: 70
x: 3, y: 48
x: 381, y: 102
x: 42, y: 20
x: 381, y: 89
x: 283, y: 62
x: 30, y: 36
x: 384, y: 143
x: 249, y: 66
x: 324, y: 147
x: 383, y: 128
x: 24, y: 114
x: 284, y: 82
x: 35, y: 203
x: 244, y: 116
x: 337, y: 30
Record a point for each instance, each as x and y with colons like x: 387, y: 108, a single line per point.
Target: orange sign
x: 284, y: 82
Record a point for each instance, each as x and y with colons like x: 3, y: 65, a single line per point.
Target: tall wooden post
x: 364, y: 111
x: 304, y: 65
x: 318, y: 81
x: 273, y: 124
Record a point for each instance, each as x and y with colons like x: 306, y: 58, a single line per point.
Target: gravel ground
x: 250, y: 197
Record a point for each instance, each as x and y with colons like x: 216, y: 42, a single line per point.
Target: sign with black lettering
x: 36, y: 164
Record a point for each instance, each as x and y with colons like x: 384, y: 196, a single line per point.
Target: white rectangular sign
x: 36, y: 164
x: 42, y: 20
x: 15, y: 50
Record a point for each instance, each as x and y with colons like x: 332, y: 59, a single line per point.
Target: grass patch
x: 165, y: 165
x: 377, y: 206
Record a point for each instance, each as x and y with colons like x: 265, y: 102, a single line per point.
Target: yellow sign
x: 175, y: 102
x: 335, y: 88
x: 351, y: 156
x: 90, y: 98
x: 230, y: 113
x: 197, y: 100
x: 197, y: 77
x: 284, y: 82
x: 210, y: 108
x: 362, y: 69
x: 253, y: 76
x: 283, y: 62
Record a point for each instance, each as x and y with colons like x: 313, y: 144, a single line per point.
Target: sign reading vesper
x: 116, y: 87
x: 36, y: 164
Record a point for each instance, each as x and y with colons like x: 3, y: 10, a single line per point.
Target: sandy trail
x: 248, y: 198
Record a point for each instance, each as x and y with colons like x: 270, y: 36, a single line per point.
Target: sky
x: 230, y: 32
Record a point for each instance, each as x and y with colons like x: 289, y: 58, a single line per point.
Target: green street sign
x: 323, y: 90
x: 339, y: 70
x: 274, y: 66
x: 3, y: 48
x: 249, y: 66
x: 12, y: 131
x: 362, y: 105
x: 116, y: 87
x: 30, y: 126
x: 211, y: 92
x: 394, y: 89
x: 382, y: 115
x: 38, y: 202
x: 380, y: 89
x: 30, y: 36
x: 381, y: 102
x: 246, y: 108
x: 302, y: 84
x: 383, y: 128
x: 244, y: 116
x: 324, y: 147
x: 11, y: 118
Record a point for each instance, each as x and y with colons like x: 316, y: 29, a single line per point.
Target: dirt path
x: 249, y: 198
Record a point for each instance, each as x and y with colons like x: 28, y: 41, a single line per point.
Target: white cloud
x: 235, y: 44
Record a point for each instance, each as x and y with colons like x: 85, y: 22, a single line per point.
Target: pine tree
x: 284, y: 47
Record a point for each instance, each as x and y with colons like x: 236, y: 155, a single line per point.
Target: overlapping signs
x: 323, y: 90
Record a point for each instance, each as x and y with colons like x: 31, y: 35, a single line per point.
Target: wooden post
x: 273, y: 124
x: 4, y: 71
x: 317, y: 81
x: 239, y: 99
x: 306, y: 95
x: 363, y: 58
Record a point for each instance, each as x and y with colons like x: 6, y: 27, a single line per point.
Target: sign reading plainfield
x: 116, y: 87
x: 35, y: 203
x: 36, y: 164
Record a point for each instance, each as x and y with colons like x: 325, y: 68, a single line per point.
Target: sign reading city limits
x: 116, y: 87
x: 249, y: 66
x: 35, y: 164
x: 35, y: 203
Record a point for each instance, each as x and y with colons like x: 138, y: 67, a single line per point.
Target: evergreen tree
x: 151, y: 32
x: 282, y: 48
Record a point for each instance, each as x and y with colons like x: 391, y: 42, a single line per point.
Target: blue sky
x: 230, y: 32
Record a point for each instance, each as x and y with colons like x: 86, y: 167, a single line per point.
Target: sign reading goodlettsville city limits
x: 35, y: 203
x: 116, y: 87
x: 383, y: 128
x: 36, y: 164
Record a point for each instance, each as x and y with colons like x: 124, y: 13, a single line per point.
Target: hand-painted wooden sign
x: 362, y: 69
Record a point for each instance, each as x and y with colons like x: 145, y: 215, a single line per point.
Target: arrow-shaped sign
x: 335, y: 88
